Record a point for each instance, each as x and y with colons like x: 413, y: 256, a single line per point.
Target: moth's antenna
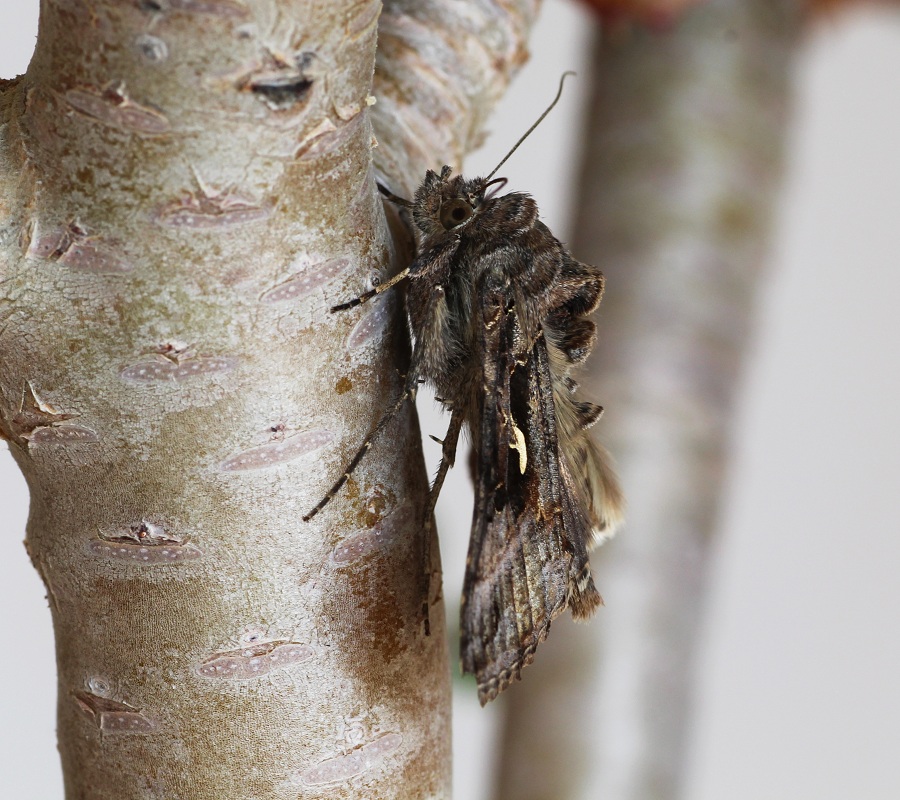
x: 399, y: 201
x: 540, y: 119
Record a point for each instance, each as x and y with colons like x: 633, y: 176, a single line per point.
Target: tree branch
x: 185, y: 188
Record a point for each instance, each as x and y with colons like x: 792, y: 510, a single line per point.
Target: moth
x: 498, y: 309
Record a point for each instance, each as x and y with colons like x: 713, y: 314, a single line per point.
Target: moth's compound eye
x: 455, y: 213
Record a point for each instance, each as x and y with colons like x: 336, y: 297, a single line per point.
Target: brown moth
x: 498, y: 309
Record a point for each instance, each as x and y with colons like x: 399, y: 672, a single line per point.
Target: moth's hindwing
x: 570, y: 335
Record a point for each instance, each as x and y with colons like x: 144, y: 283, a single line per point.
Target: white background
x: 799, y: 681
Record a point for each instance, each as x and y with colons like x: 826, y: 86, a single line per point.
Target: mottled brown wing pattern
x: 527, y: 558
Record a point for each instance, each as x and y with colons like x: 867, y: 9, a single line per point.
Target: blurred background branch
x: 682, y: 161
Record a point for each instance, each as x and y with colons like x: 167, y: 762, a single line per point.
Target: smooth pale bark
x: 185, y: 187
x: 680, y: 175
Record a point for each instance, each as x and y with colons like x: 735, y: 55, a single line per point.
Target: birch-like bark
x: 185, y: 187
x: 680, y: 174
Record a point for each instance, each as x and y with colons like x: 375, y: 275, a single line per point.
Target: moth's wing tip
x: 485, y: 695
x: 490, y: 688
x: 583, y: 599
x: 585, y: 604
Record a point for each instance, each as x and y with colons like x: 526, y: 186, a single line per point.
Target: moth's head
x: 444, y: 203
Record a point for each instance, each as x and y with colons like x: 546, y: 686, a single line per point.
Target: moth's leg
x: 448, y: 457
x: 408, y: 393
x: 366, y: 296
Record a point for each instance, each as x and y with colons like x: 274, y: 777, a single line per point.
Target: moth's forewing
x: 527, y: 554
